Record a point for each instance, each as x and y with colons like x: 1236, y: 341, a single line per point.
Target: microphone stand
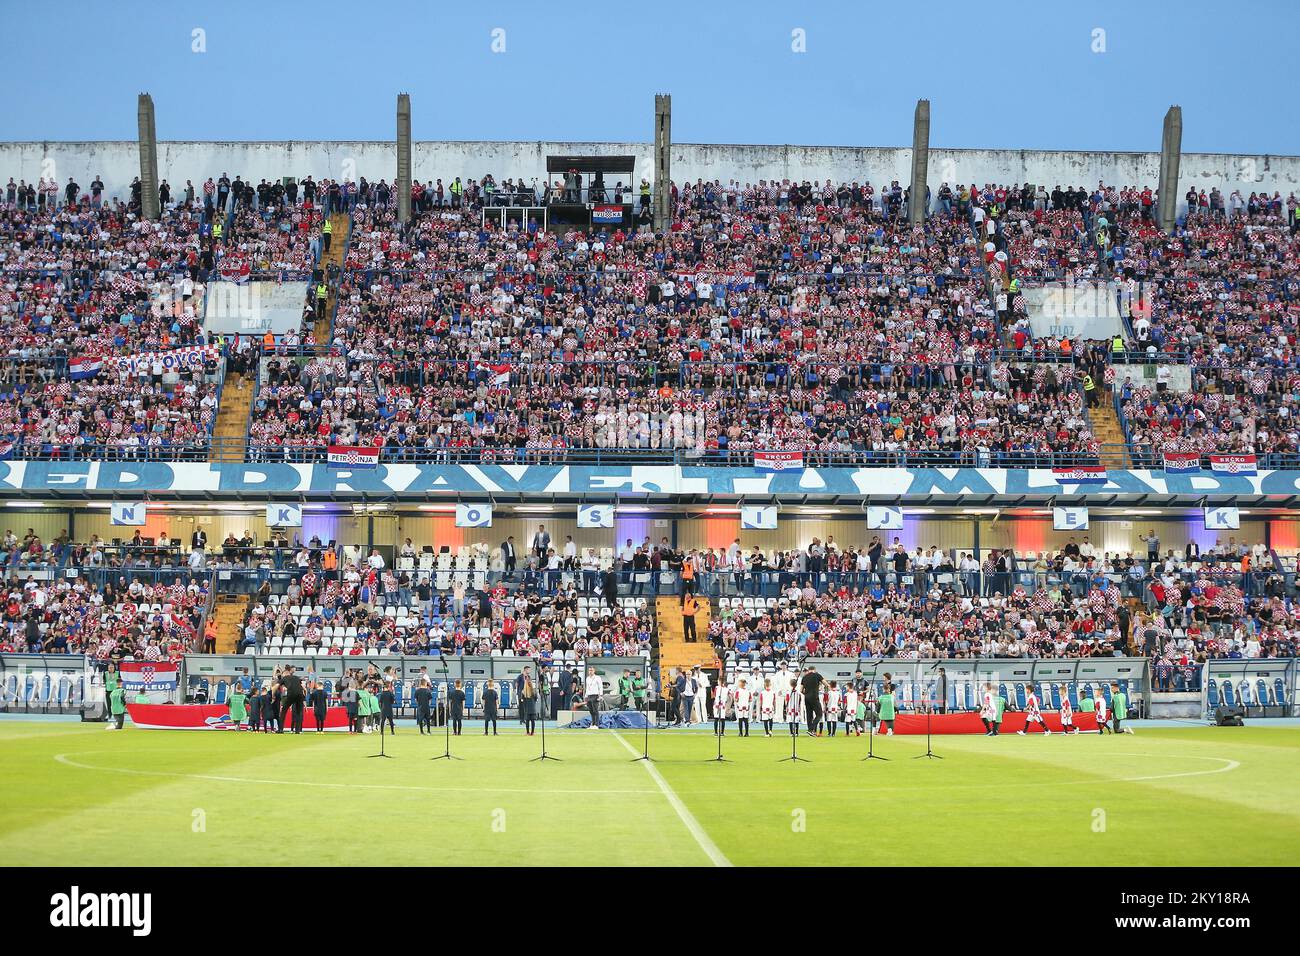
x: 929, y: 712
x: 871, y: 709
x: 794, y: 738
x: 719, y: 758
x: 446, y: 714
x: 543, y: 700
x: 645, y: 744
x: 381, y: 740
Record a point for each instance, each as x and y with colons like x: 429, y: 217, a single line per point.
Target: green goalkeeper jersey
x: 1119, y: 704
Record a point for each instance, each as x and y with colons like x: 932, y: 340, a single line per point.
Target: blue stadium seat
x: 221, y: 693
x: 1212, y: 699
x: 1002, y: 689
x: 1229, y: 694
x: 1105, y: 692
x: 1072, y: 694
x: 1055, y: 690
x: 1279, y: 693
x: 505, y: 689
x: 1261, y: 692
x: 29, y: 690
x: 1020, y: 696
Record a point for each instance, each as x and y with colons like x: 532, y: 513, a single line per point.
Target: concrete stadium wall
x: 118, y: 163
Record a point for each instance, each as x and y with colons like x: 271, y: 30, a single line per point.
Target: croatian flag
x: 6, y: 450
x: 85, y: 367
x: 1232, y: 464
x: 1081, y: 475
x: 1182, y: 462
x: 149, y: 675
x: 500, y: 373
x: 352, y: 456
x: 778, y: 461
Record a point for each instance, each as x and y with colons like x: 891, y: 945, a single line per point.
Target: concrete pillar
x: 916, y: 207
x: 1171, y: 149
x: 149, y: 206
x: 662, y: 198
x: 403, y: 186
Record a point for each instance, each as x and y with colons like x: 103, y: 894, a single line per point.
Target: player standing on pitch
x: 767, y: 707
x: 721, y: 701
x: 742, y: 699
x: 1033, y: 714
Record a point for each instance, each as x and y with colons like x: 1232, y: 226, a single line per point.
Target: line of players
x: 790, y: 706
x: 993, y: 705
x: 772, y: 706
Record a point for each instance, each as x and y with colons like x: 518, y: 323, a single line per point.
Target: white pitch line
x: 693, y: 825
x: 66, y: 760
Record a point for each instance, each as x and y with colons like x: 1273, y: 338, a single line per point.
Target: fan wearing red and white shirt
x: 1033, y: 714
x: 742, y: 699
x: 767, y: 707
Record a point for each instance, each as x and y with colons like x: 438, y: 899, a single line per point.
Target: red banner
x: 213, y: 717
x: 970, y: 723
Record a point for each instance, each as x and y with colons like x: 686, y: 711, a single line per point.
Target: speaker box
x: 1228, y: 717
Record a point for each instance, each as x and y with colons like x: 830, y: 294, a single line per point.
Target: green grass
x: 76, y: 794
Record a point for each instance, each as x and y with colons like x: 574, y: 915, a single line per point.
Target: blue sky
x: 1000, y: 73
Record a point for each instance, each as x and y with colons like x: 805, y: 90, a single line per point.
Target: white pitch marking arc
x: 66, y: 760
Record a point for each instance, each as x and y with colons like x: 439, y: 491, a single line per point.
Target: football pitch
x: 75, y: 794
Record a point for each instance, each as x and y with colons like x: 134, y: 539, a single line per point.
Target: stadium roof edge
x: 637, y: 144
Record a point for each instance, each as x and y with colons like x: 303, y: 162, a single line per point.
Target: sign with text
x: 758, y: 517
x: 473, y: 516
x: 128, y: 513
x: 596, y: 516
x: 284, y: 516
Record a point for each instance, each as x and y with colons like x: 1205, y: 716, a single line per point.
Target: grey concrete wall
x: 118, y: 163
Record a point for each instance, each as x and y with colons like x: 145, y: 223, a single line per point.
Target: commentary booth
x: 584, y: 192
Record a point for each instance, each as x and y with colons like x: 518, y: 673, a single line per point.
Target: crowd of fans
x: 134, y: 617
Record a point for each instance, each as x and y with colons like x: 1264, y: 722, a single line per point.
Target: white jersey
x: 832, y: 704
x: 1067, y: 712
x: 989, y: 708
x: 782, y: 681
x: 741, y: 699
x: 1032, y: 713
x: 721, y: 700
x: 766, y: 704
x: 794, y: 705
x: 850, y: 704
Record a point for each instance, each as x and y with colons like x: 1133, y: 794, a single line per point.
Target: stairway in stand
x: 1106, y: 427
x: 674, y: 650
x: 232, y: 418
x: 340, y: 223
x: 228, y: 613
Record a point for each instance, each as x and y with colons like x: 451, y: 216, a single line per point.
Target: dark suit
x: 565, y: 682
x: 318, y: 707
x: 456, y: 704
x: 508, y: 556
x: 423, y: 700
x: 541, y: 544
x: 291, y: 700
x: 490, y: 698
x: 386, y: 708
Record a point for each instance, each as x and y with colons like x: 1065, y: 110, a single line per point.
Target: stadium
x: 598, y: 489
